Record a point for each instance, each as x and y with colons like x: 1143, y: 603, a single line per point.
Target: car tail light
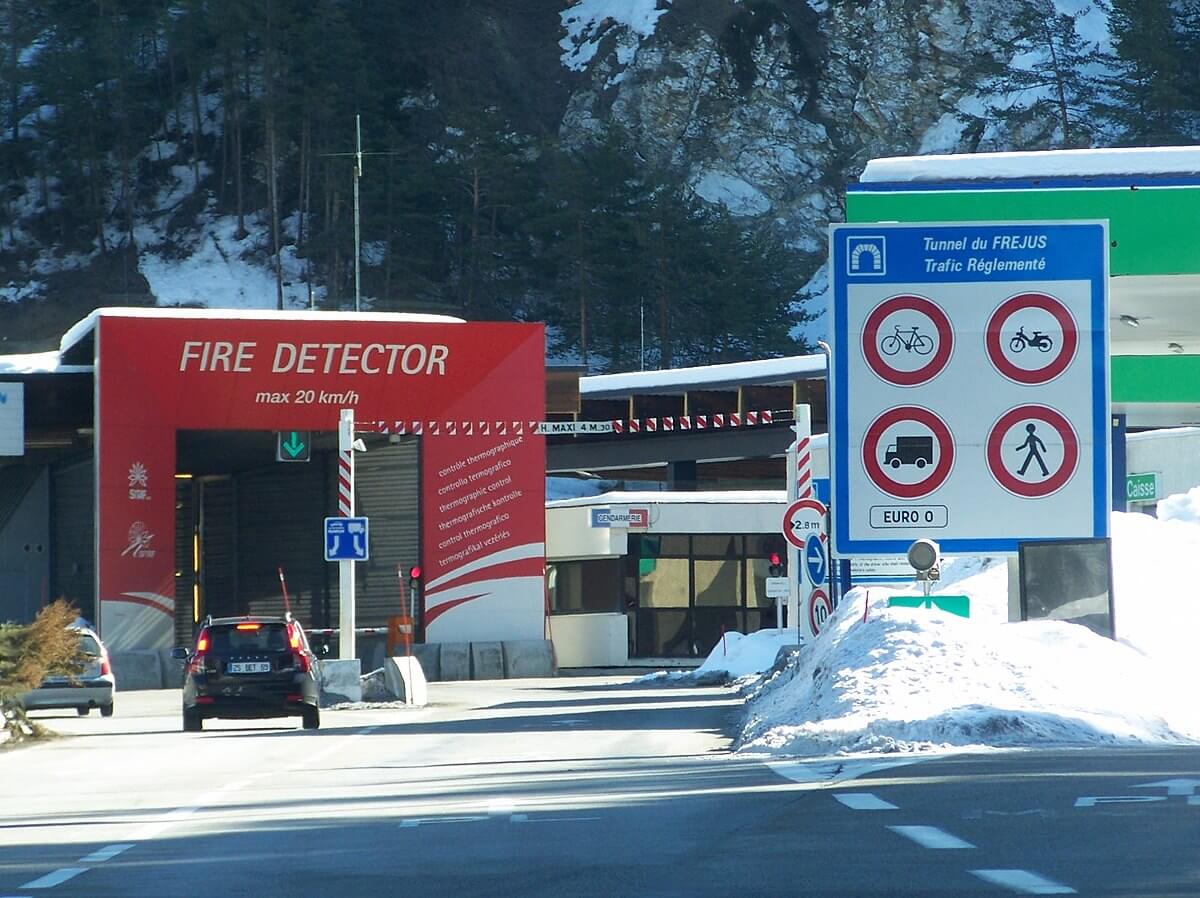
x: 196, y: 664
x: 295, y: 697
x: 296, y: 643
x: 105, y: 667
x: 204, y: 699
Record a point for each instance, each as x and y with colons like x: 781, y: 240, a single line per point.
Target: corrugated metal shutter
x: 73, y: 534
x: 280, y: 511
x: 387, y: 491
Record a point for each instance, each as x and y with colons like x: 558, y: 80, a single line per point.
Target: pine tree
x: 1047, y: 91
x: 1148, y: 93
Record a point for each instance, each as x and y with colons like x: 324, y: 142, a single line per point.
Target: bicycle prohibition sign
x: 910, y: 339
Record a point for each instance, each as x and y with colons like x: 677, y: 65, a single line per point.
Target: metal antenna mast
x: 358, y: 154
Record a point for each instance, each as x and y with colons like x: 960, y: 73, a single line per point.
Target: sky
x: 882, y: 680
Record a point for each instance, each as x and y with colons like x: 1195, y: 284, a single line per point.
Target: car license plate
x: 248, y: 667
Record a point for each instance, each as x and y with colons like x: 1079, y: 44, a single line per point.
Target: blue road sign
x: 346, y: 539
x: 816, y: 562
x: 970, y: 384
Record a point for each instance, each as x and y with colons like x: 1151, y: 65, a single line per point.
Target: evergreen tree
x: 1047, y: 89
x: 1148, y: 93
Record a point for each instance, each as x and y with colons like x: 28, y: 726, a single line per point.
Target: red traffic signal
x: 414, y: 572
x: 775, y: 560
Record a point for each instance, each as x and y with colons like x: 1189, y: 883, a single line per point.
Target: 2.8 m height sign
x: 970, y: 384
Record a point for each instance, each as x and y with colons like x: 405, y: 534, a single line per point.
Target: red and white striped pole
x: 346, y: 646
x: 799, y: 486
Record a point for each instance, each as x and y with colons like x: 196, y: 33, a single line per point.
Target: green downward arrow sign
x: 294, y: 445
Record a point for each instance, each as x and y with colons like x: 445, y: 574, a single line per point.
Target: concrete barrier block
x: 487, y: 661
x: 406, y: 681
x: 429, y: 655
x: 455, y: 660
x: 137, y: 670
x: 340, y: 681
x: 528, y: 658
x: 372, y: 650
x: 375, y: 687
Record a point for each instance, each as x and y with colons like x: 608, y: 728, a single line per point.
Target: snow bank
x: 917, y: 679
x: 1035, y: 164
x: 914, y: 679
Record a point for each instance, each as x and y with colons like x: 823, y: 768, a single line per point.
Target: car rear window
x: 88, y: 644
x: 229, y: 640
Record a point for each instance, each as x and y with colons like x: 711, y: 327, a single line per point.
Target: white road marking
x: 864, y: 801
x: 930, y: 837
x: 420, y: 821
x: 50, y: 880
x: 819, y: 771
x: 1024, y: 882
x: 105, y: 854
x: 555, y: 819
x: 1090, y: 801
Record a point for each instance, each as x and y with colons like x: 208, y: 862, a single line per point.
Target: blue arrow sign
x: 816, y: 562
x: 346, y: 539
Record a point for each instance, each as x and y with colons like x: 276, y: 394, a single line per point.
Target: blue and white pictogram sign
x: 816, y: 561
x: 346, y: 539
x: 970, y: 385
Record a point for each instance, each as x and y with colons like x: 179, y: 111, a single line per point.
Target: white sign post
x: 12, y: 419
x: 346, y: 646
x: 970, y: 385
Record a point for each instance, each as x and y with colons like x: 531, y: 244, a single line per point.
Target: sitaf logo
x: 139, y: 541
x: 139, y: 480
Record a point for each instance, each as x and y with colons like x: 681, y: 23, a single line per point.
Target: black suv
x: 250, y: 668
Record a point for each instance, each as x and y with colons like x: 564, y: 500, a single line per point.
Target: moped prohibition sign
x: 1031, y: 358
x: 804, y: 516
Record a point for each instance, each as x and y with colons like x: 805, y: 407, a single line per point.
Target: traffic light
x: 414, y: 576
x: 775, y: 560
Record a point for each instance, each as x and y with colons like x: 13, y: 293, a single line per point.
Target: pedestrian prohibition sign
x: 1032, y: 451
x: 803, y: 517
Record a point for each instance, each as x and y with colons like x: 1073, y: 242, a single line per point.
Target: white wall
x: 1172, y: 454
x: 569, y: 534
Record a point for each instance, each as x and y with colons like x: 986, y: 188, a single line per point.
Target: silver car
x: 93, y: 688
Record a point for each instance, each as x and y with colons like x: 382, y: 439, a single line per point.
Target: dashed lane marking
x: 105, y: 854
x: 57, y: 877
x: 1024, y: 882
x: 864, y: 801
x: 930, y: 837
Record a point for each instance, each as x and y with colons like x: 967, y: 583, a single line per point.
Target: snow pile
x: 916, y: 679
x: 737, y: 655
x: 920, y: 679
x: 1183, y: 507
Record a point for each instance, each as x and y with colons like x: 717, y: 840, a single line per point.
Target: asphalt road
x: 572, y: 787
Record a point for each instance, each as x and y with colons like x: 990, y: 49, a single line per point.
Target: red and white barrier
x: 669, y: 424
